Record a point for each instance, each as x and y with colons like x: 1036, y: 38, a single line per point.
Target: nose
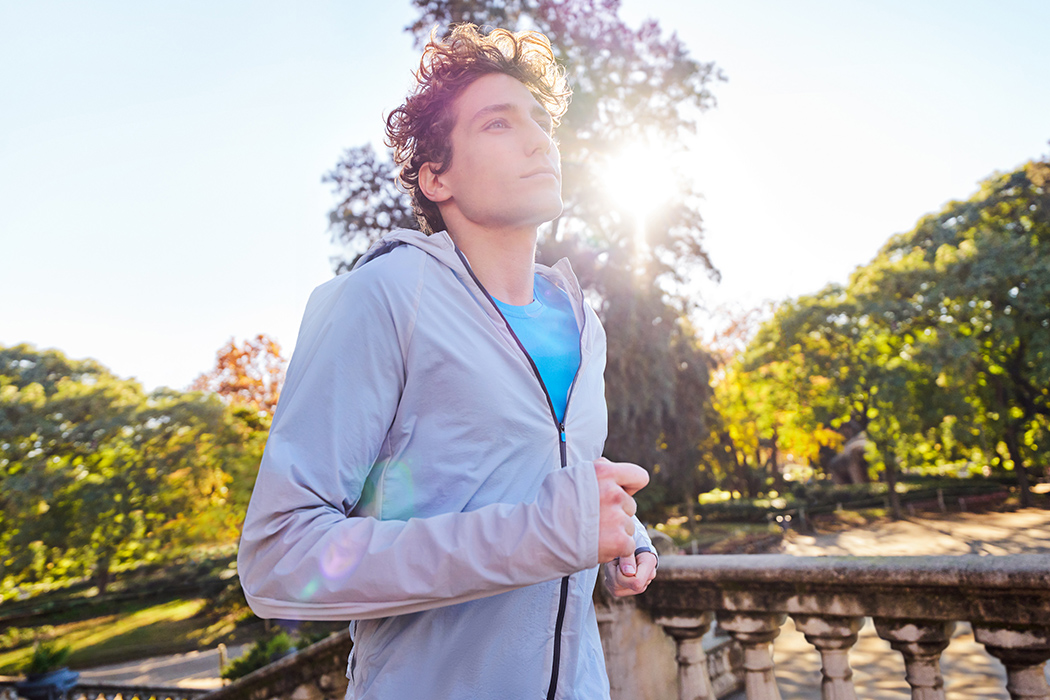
x: 539, y: 140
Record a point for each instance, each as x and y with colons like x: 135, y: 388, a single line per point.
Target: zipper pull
x: 562, y: 447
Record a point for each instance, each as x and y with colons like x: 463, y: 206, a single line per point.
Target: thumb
x: 628, y: 567
x: 631, y: 477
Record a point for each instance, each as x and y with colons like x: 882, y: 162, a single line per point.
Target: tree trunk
x: 1014, y: 447
x: 774, y: 465
x: 102, y: 579
x: 891, y: 482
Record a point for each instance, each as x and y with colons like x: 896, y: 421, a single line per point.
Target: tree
x: 630, y: 86
x: 248, y: 378
x: 94, y: 473
x: 974, y: 280
x: 763, y: 410
x: 858, y: 371
x: 249, y: 374
x: 371, y: 204
x: 938, y: 348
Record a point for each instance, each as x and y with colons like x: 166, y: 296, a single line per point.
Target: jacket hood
x: 438, y: 245
x: 441, y: 247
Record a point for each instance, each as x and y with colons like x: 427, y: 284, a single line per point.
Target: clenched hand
x: 630, y: 575
x: 617, y: 483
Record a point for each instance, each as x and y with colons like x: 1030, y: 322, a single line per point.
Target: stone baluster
x: 920, y: 642
x: 833, y: 636
x: 694, y: 682
x: 755, y: 632
x: 1023, y: 653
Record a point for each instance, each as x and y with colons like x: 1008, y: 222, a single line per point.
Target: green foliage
x: 47, y: 656
x: 95, y: 474
x: 261, y: 653
x: 825, y: 497
x: 971, y: 286
x: 14, y: 637
x: 939, y: 348
x: 631, y: 86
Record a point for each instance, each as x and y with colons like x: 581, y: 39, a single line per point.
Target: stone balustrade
x: 111, y: 691
x: 915, y: 603
x: 115, y: 691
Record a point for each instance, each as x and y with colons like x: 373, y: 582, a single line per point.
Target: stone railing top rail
x: 1013, y: 571
x: 1008, y: 590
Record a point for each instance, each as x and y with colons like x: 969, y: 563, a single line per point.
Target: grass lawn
x: 149, y: 629
x: 683, y: 533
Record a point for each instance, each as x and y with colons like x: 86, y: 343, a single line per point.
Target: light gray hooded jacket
x: 415, y: 481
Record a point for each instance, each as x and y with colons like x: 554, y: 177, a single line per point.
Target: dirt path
x: 195, y: 669
x: 1024, y: 531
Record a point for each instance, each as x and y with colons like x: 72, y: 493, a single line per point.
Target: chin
x: 550, y: 211
x: 534, y: 211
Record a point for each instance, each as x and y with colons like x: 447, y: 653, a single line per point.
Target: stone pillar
x: 694, y: 682
x: 755, y: 632
x: 1023, y: 653
x: 833, y: 636
x: 921, y: 643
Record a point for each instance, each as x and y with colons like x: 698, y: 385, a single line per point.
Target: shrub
x: 15, y: 637
x: 262, y: 653
x: 47, y: 656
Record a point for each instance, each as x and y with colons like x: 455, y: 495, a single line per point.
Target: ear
x: 433, y: 185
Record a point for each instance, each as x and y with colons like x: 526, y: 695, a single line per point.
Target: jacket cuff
x: 651, y: 551
x: 590, y: 511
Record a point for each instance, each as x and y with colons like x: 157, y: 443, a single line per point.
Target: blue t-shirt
x: 547, y: 328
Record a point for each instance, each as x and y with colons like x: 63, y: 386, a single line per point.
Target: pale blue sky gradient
x: 160, y: 164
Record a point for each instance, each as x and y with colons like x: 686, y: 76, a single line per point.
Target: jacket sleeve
x: 305, y: 555
x: 642, y: 542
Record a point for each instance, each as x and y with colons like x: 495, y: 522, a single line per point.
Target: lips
x: 547, y: 170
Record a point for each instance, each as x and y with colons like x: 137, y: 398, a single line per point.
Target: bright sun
x: 639, y: 179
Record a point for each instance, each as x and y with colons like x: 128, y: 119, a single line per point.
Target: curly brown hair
x: 420, y: 130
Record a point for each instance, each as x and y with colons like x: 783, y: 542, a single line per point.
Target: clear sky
x: 161, y: 163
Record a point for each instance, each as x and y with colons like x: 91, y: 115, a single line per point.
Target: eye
x: 498, y: 124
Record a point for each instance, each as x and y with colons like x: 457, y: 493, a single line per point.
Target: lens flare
x: 338, y: 561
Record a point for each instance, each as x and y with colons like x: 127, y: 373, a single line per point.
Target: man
x: 434, y: 468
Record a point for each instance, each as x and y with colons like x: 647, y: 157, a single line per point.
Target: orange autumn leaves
x: 250, y: 373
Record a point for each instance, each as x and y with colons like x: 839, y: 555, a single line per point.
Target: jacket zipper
x: 563, y: 451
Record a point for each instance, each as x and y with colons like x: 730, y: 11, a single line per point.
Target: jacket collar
x: 440, y: 247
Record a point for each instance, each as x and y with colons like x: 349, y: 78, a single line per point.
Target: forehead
x: 495, y: 92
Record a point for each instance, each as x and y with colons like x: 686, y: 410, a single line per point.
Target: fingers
x: 628, y: 566
x: 616, y: 534
x: 630, y: 477
x: 616, y: 483
x: 620, y: 584
x: 646, y: 562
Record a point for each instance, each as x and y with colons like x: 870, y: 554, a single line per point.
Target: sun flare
x: 639, y: 179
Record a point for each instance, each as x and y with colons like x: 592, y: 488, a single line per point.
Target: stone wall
x: 315, y: 673
x: 640, y: 657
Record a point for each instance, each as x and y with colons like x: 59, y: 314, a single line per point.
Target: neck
x: 503, y: 260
